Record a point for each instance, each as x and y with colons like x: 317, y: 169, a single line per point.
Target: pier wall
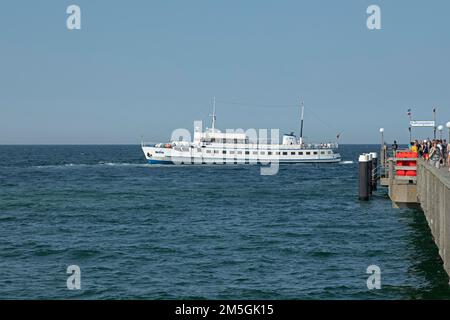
x: 433, y: 193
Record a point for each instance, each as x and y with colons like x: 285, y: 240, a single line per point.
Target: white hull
x: 217, y: 155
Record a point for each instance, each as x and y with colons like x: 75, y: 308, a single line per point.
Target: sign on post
x: 422, y: 123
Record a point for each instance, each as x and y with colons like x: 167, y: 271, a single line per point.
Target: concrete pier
x: 433, y: 193
x: 430, y: 191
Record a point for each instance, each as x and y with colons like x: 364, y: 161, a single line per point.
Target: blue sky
x: 147, y: 67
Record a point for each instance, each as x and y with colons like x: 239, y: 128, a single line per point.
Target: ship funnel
x: 289, y: 139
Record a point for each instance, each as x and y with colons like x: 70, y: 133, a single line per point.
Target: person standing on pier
x: 425, y: 150
x: 413, y: 147
x: 441, y: 151
x: 445, y: 152
x: 429, y: 145
x: 448, y: 157
x: 395, y: 147
x: 419, y: 145
x: 435, y: 155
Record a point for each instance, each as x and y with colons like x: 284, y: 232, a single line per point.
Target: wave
x: 84, y: 165
x: 50, y: 166
x: 137, y: 165
x: 123, y: 164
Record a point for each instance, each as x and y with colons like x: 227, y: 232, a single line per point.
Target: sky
x: 144, y: 68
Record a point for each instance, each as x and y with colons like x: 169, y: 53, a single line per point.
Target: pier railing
x: 405, y: 165
x: 392, y: 163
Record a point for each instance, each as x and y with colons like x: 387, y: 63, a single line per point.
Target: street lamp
x: 383, y: 149
x: 440, y: 128
x: 382, y: 135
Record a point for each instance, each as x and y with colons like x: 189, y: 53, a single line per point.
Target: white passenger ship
x: 215, y: 147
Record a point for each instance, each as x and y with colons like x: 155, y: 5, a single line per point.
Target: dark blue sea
x: 195, y: 232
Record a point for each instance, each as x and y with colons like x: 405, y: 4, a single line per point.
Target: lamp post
x: 434, y: 119
x: 383, y: 149
x: 440, y: 129
x: 382, y: 135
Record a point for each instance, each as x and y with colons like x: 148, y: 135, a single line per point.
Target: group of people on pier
x: 436, y: 151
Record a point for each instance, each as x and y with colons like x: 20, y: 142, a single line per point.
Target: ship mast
x: 301, y: 124
x: 213, y: 115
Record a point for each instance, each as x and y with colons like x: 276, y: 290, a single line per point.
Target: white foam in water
x: 79, y: 165
x: 50, y: 166
x: 346, y: 162
x: 123, y: 164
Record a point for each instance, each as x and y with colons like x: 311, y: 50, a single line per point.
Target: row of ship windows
x: 284, y: 153
x: 235, y: 141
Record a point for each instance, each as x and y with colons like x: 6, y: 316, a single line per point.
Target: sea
x: 139, y: 231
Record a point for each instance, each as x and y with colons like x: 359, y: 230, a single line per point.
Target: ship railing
x: 148, y: 144
x: 154, y: 145
x: 275, y: 145
x: 306, y: 146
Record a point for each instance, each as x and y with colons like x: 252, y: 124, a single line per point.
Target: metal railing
x: 275, y: 146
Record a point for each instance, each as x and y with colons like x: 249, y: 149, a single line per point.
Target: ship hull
x: 199, y: 156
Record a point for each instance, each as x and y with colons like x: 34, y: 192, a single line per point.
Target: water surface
x: 217, y: 232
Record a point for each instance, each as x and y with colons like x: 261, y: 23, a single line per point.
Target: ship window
x: 247, y: 152
x: 329, y: 152
x: 239, y: 152
x: 263, y: 153
x: 255, y: 152
x: 235, y: 141
x: 199, y: 150
x: 322, y: 152
x: 284, y: 153
x: 213, y: 139
x: 300, y: 153
x: 278, y: 153
x: 315, y: 152
x: 216, y: 151
x: 269, y: 153
x: 208, y: 151
x: 308, y: 153
x: 293, y: 153
x: 231, y: 152
x: 224, y: 151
